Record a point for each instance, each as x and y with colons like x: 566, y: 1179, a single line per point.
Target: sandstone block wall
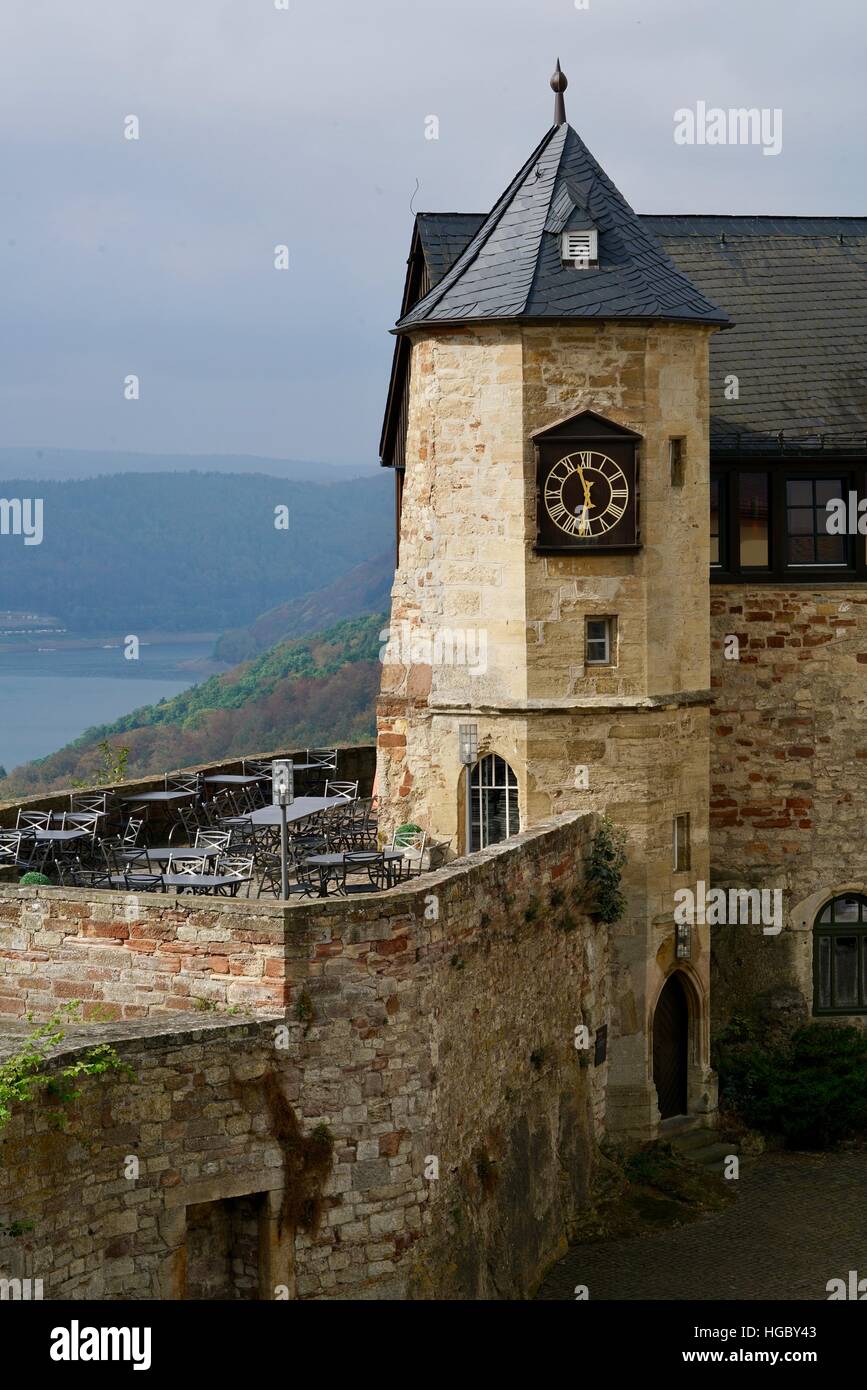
x: 435, y: 1023
x: 788, y: 747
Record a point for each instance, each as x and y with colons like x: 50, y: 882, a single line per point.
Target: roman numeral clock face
x: 587, y: 500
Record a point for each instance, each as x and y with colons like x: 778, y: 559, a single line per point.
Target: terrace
x: 213, y: 831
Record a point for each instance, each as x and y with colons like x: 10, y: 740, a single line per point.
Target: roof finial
x: 559, y: 83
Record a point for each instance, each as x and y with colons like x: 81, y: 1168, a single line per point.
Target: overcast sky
x: 306, y: 126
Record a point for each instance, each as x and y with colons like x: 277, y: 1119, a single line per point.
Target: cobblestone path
x: 800, y: 1220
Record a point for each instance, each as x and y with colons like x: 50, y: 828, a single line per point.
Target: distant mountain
x: 313, y: 691
x: 61, y: 465
x: 187, y: 552
x: 364, y: 589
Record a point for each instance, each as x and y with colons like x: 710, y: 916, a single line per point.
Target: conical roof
x: 513, y: 268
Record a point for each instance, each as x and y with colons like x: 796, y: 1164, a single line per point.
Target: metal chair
x: 212, y: 839
x: 33, y: 820
x: 322, y: 758
x: 373, y: 862
x: 347, y: 789
x: 412, y: 847
x: 240, y: 866
x: 10, y: 849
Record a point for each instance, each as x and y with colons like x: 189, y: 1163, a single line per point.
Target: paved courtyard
x: 800, y: 1220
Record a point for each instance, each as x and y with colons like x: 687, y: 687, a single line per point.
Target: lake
x: 49, y: 698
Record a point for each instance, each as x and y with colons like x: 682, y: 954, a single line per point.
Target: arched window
x: 840, y: 956
x: 494, y: 801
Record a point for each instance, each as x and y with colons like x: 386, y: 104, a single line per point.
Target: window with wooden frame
x: 600, y: 642
x: 680, y: 843
x: 840, y: 956
x: 770, y: 521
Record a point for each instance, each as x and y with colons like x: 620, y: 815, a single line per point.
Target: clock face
x: 586, y: 494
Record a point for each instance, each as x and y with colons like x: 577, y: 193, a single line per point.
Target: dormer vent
x: 580, y: 249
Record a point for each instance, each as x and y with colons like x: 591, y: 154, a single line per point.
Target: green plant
x: 403, y: 836
x: 558, y: 897
x: 531, y: 912
x: 811, y: 1089
x: 32, y: 878
x: 25, y: 1073
x: 114, y: 761
x: 604, y: 871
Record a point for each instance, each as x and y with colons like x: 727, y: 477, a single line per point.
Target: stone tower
x: 562, y: 336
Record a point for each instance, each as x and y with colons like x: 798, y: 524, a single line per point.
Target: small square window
x: 677, y: 461
x: 681, y: 843
x: 599, y: 642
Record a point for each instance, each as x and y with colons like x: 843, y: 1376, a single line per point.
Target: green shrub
x: 33, y: 877
x: 404, y: 834
x: 604, y: 870
x: 812, y: 1090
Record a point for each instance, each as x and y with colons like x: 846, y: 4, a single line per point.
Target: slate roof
x: 796, y: 288
x: 511, y: 268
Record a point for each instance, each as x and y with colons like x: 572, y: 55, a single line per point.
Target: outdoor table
x: 164, y: 852
x: 238, y: 779
x: 208, y: 882
x: 324, y: 862
x: 57, y: 837
x: 75, y: 815
x: 301, y: 807
x: 160, y: 796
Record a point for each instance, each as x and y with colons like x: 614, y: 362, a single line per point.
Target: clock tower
x: 548, y: 421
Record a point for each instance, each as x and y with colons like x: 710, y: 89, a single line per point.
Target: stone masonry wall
x: 435, y: 1022
x: 127, y: 955
x: 788, y: 747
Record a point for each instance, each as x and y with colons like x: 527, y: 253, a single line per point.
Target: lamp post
x: 282, y: 795
x: 468, y: 745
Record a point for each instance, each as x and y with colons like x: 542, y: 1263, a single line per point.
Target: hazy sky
x: 306, y: 126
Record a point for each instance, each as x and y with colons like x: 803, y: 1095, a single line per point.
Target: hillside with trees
x: 182, y: 552
x: 314, y: 690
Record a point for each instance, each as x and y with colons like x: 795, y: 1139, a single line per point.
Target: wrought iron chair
x: 373, y: 861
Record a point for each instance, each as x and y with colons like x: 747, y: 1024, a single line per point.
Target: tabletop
x: 238, y: 779
x: 336, y: 858
x: 159, y: 796
x: 302, y: 806
x: 58, y: 835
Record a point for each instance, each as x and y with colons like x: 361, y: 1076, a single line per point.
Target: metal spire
x: 559, y: 83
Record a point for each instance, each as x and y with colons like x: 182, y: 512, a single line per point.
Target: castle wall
x: 788, y: 747
x: 430, y: 1029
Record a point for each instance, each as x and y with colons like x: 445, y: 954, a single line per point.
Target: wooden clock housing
x: 591, y: 438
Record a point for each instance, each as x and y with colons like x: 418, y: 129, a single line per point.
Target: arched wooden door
x: 671, y: 1048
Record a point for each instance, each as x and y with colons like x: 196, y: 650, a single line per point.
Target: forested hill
x: 187, y: 551
x: 364, y: 589
x: 316, y: 690
x: 61, y: 464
